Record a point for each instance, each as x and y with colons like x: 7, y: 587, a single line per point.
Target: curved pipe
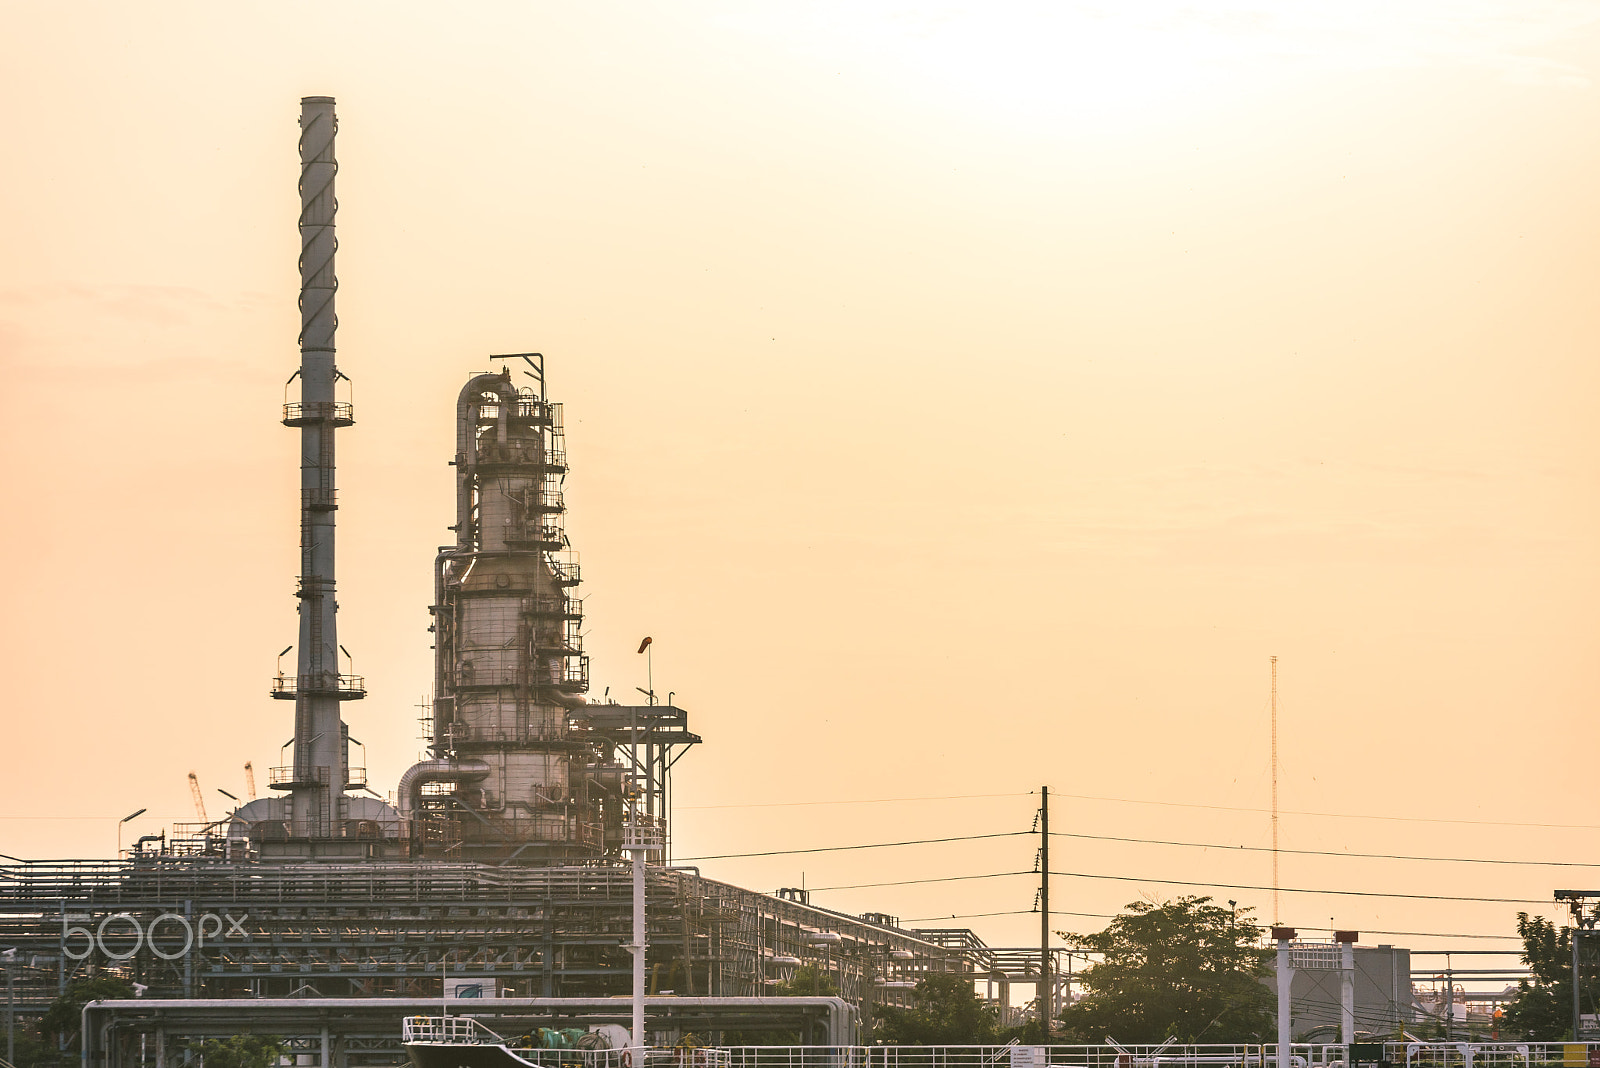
x: 410, y: 789
x: 467, y: 405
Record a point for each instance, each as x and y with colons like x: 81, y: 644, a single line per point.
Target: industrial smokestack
x: 320, y: 772
x: 317, y: 242
x: 316, y: 815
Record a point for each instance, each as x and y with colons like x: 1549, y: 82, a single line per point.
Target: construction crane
x: 249, y: 780
x: 199, y: 799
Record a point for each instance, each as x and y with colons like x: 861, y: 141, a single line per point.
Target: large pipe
x: 467, y: 405
x: 411, y: 783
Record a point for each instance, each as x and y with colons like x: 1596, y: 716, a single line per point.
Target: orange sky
x: 964, y: 397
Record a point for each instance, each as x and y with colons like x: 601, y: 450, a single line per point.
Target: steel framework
x: 201, y: 927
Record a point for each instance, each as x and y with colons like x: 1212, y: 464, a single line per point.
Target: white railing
x: 1492, y: 1054
x: 466, y: 1030
x: 1007, y: 1056
x: 1301, y: 1055
x: 685, y: 1057
x: 458, y: 1030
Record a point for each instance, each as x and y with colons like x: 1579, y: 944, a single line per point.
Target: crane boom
x: 199, y: 799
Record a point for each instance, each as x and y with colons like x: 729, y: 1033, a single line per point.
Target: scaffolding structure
x: 200, y: 927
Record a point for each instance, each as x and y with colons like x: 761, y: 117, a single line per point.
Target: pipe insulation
x: 417, y: 775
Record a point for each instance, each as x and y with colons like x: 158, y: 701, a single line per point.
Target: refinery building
x: 501, y: 868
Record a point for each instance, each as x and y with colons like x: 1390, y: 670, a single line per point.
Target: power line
x: 872, y: 845
x: 92, y: 819
x: 1112, y: 916
x: 1336, y: 815
x: 1331, y: 853
x: 1182, y: 882
x: 914, y: 882
x: 1422, y: 934
x: 1013, y: 912
x: 859, y: 801
x: 1303, y: 890
x: 1139, y: 801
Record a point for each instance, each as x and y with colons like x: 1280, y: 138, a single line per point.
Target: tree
x: 65, y: 1015
x: 808, y: 981
x: 947, y: 1012
x: 1184, y: 969
x: 1542, y: 1009
x: 239, y: 1051
x: 804, y: 982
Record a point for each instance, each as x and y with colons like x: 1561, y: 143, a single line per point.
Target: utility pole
x: 1046, y: 987
x: 10, y: 956
x: 1584, y: 916
x: 1577, y: 978
x: 1449, y: 1002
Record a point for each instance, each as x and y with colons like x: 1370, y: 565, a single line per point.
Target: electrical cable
x: 1334, y: 815
x: 914, y: 882
x: 1140, y: 801
x: 93, y: 819
x: 858, y: 801
x: 1112, y: 916
x: 872, y: 845
x: 1184, y: 882
x: 1330, y: 853
x: 1303, y: 890
x: 1013, y: 912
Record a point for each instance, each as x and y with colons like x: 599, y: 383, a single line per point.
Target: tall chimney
x: 318, y: 778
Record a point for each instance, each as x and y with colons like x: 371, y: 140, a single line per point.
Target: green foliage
x: 239, y: 1051
x: 808, y: 981
x: 1542, y: 1009
x: 947, y: 1012
x: 34, y: 1052
x: 1184, y: 969
x: 1028, y: 1033
x: 65, y: 1015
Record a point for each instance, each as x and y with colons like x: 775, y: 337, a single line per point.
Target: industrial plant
x: 500, y: 871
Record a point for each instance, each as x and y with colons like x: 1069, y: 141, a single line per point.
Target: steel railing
x: 289, y: 685
x: 456, y: 1030
x: 298, y: 412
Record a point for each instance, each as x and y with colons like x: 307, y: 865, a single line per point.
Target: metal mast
x: 317, y: 780
x: 1275, y: 892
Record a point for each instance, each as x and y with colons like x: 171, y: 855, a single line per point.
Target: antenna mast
x: 1275, y: 917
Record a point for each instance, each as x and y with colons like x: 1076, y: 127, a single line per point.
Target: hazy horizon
x: 964, y: 398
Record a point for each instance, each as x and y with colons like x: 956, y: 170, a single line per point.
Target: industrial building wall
x: 1382, y: 995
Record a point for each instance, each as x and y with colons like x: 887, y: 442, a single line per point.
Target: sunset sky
x: 964, y: 397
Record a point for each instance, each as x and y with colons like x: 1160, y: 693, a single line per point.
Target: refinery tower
x: 523, y: 768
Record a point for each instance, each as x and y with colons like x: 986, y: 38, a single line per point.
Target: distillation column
x: 510, y: 723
